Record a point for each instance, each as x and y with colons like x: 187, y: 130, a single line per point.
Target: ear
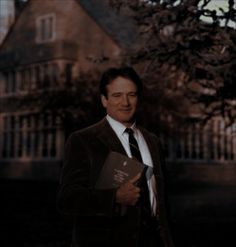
x: 104, y: 101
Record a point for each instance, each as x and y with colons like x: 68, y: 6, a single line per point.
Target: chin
x: 126, y: 120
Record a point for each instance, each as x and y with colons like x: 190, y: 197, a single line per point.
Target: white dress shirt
x: 123, y: 136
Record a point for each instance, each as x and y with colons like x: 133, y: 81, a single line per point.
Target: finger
x: 134, y: 190
x: 135, y: 178
x: 137, y: 190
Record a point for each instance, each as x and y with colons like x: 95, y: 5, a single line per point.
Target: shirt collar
x: 118, y: 127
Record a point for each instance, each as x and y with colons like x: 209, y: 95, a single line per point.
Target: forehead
x: 121, y: 84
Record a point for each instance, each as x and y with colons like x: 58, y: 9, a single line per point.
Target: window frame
x: 46, y: 32
x: 24, y: 134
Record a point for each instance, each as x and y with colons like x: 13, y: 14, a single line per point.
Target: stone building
x: 49, y: 45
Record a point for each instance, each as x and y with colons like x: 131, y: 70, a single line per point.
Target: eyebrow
x: 124, y: 92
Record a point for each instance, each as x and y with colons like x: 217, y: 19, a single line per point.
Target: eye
x: 132, y: 94
x: 116, y: 95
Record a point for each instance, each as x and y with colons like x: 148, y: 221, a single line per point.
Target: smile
x: 126, y: 110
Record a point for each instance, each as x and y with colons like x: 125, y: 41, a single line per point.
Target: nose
x: 125, y: 100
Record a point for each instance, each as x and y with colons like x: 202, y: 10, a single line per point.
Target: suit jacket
x: 96, y: 222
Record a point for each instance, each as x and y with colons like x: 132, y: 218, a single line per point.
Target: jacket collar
x: 109, y: 138
x: 154, y: 149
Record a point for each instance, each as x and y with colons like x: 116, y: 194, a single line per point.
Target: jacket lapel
x: 109, y: 138
x: 154, y: 150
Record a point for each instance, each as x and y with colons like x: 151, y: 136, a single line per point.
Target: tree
x: 76, y: 105
x: 188, y: 64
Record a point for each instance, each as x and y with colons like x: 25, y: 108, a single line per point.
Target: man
x: 134, y: 214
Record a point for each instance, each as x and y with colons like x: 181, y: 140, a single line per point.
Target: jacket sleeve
x: 77, y: 195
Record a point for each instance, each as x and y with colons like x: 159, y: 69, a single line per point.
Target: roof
x: 121, y: 28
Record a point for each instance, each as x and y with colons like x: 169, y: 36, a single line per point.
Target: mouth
x: 126, y: 110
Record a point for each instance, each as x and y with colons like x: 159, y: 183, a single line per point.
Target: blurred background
x: 52, y: 54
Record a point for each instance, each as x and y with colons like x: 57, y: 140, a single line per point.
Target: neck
x: 129, y: 124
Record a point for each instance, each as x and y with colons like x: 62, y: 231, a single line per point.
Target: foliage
x: 76, y: 104
x: 188, y: 65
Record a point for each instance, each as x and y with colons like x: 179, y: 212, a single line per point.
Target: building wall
x: 212, y: 142
x: 48, y: 47
x: 72, y: 27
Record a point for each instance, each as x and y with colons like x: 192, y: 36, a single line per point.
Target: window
x: 55, y: 74
x: 10, y: 82
x: 32, y: 78
x: 45, y: 28
x: 68, y: 73
x: 212, y: 142
x: 25, y: 79
x: 38, y: 76
x: 46, y: 77
x: 34, y: 136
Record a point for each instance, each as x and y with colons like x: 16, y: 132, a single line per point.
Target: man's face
x: 121, y: 101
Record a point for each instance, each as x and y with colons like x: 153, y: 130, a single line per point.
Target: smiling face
x: 121, y: 101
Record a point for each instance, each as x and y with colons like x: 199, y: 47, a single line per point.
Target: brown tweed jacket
x: 96, y: 221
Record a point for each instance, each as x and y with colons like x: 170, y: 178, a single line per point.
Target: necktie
x: 144, y: 198
x: 134, y: 149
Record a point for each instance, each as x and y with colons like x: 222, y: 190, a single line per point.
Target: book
x: 118, y: 169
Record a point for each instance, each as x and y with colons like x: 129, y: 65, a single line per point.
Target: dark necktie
x: 144, y: 198
x: 134, y: 149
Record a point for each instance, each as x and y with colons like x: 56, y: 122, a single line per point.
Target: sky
x: 215, y: 5
x: 212, y: 5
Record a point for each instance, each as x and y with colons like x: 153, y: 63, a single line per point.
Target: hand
x: 128, y: 193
